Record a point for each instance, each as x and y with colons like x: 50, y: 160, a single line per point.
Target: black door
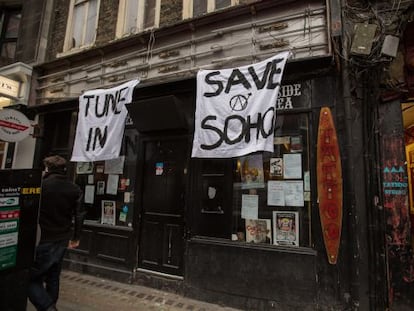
x: 162, y: 226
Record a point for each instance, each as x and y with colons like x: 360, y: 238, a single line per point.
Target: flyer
x: 108, y: 212
x: 258, y: 231
x: 286, y: 228
x: 250, y: 206
x: 252, y: 171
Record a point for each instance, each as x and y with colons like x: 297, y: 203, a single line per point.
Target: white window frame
x: 69, y: 27
x: 121, y: 21
x: 211, y: 7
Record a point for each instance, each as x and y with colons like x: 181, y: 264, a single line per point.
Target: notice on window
x: 112, y: 184
x: 250, y: 206
x: 292, y: 165
x: 89, y: 194
x: 294, y: 193
x: 275, y: 193
x: 115, y: 166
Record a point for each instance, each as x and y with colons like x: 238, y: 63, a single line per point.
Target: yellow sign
x: 31, y: 190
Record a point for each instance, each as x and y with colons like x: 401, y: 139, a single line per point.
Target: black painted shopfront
x: 181, y: 221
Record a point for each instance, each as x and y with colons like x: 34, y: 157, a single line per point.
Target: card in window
x: 292, y: 166
x: 286, y: 228
x: 296, y: 144
x: 252, y: 171
x: 276, y: 167
x: 84, y: 168
x: 258, y: 231
x: 108, y: 212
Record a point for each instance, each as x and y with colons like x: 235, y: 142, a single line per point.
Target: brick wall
x: 58, y: 25
x: 108, y: 14
x: 171, y: 12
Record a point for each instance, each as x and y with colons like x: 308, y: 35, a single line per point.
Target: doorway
x: 161, y: 241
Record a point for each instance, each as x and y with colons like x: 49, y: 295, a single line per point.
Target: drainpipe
x: 355, y: 188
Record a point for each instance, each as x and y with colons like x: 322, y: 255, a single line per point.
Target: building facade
x: 243, y: 231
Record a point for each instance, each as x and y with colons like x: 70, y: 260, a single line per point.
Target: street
x: 81, y: 292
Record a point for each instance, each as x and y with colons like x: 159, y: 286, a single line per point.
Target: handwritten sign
x: 236, y: 109
x: 101, y: 123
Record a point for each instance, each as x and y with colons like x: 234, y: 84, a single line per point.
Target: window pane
x: 131, y: 16
x: 199, y: 7
x: 78, y: 20
x: 149, y: 19
x: 12, y: 28
x: 8, y: 50
x: 91, y: 22
x: 220, y: 4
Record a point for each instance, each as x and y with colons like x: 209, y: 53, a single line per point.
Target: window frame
x: 139, y: 26
x: 211, y: 7
x: 70, y: 24
x: 6, y: 14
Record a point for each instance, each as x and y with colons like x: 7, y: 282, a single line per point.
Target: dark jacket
x: 60, y: 202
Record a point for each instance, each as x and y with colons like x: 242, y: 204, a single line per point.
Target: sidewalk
x: 81, y: 292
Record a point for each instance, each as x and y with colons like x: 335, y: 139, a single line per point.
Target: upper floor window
x: 10, y: 24
x: 194, y: 8
x: 137, y: 15
x: 82, y: 23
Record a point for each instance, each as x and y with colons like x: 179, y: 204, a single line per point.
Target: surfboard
x: 329, y: 180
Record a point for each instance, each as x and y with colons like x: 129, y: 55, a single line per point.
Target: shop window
x: 108, y: 186
x: 270, y: 198
x: 271, y: 193
x: 82, y: 24
x: 194, y: 8
x: 10, y: 24
x: 135, y: 16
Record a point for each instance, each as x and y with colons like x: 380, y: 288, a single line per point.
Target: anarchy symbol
x: 239, y: 102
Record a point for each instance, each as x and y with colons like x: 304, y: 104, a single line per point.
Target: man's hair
x: 55, y: 163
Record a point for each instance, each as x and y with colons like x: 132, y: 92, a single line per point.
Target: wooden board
x: 329, y: 179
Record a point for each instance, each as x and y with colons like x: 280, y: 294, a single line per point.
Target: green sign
x: 9, y: 230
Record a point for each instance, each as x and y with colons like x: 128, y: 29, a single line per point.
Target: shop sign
x: 9, y: 88
x: 329, y: 179
x: 101, y: 123
x: 14, y: 125
x: 235, y: 109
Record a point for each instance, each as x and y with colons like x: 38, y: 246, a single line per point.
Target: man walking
x: 60, y: 202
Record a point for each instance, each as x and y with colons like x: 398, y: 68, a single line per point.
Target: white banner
x: 101, y: 123
x: 236, y: 109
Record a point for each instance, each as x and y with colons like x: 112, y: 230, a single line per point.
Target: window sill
x: 91, y: 223
x: 74, y: 51
x: 268, y: 247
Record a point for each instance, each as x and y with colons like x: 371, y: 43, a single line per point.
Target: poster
x: 294, y: 193
x: 275, y: 193
x: 100, y: 187
x: 292, y: 168
x: 235, y: 109
x: 276, y: 167
x: 112, y: 184
x: 115, y: 166
x: 258, y: 231
x: 101, y: 123
x: 89, y: 194
x: 252, y: 171
x: 84, y: 168
x: 108, y: 212
x: 250, y: 206
x: 286, y: 228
